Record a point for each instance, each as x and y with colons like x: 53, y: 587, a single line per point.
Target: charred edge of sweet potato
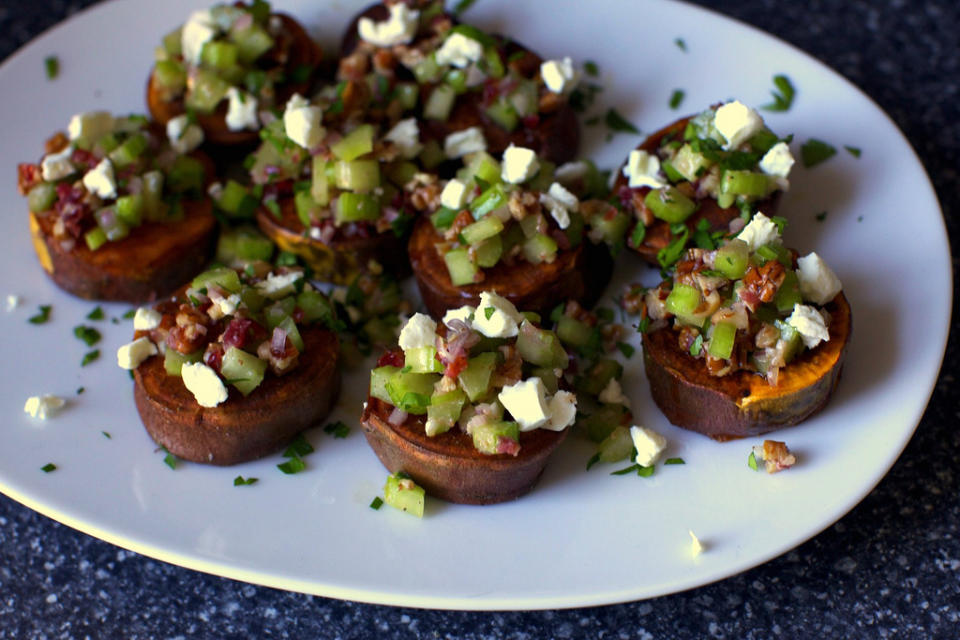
x: 304, y: 52
x: 448, y: 466
x: 743, y: 404
x: 580, y: 273
x: 244, y: 427
x: 658, y: 235
x: 340, y: 261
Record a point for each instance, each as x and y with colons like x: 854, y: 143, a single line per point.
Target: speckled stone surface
x: 889, y: 569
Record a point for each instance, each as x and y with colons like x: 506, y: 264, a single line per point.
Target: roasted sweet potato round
x: 743, y: 404
x: 448, y: 466
x: 244, y: 427
x: 580, y: 273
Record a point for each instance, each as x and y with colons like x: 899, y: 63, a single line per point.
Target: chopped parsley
x: 488, y: 312
x: 854, y: 151
x: 337, y: 429
x: 292, y: 466
x: 591, y: 68
x: 594, y: 459
x: 129, y: 314
x: 96, y: 314
x: 402, y: 223
x: 783, y: 97
x: 643, y: 325
x: 642, y: 471
x: 299, y: 447
x: 170, y: 460
x: 681, y: 44
x: 626, y: 349
x: 51, y: 65
x: 674, y: 461
x: 583, y: 97
x: 80, y: 390
x: 752, y: 461
x: 814, y: 151
x: 377, y: 502
x: 106, y: 434
x: 88, y: 335
x: 821, y: 216
x: 461, y: 6
x: 617, y: 123
x: 676, y: 98
x: 89, y: 357
x: 672, y: 252
x: 697, y: 346
x: 240, y: 481
x: 47, y: 468
x: 42, y: 316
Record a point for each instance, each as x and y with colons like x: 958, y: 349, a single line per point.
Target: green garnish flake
x: 42, y: 316
x: 859, y: 218
x: 51, y: 64
x: 642, y: 471
x: 626, y: 349
x: 89, y: 357
x: 377, y: 502
x: 273, y: 207
x: 697, y: 346
x: 783, y: 97
x: 337, y: 429
x: 88, y: 335
x: 676, y: 98
x: 106, y: 434
x: 461, y: 6
x: 781, y: 223
x: 488, y: 312
x: 625, y: 471
x: 681, y: 44
x: 594, y: 459
x: 299, y: 447
x: 814, y: 151
x: 47, y: 468
x: 292, y: 466
x: 129, y: 314
x: 854, y: 151
x: 672, y: 252
x: 96, y: 314
x: 402, y: 224
x: 643, y: 325
x: 240, y: 481
x: 591, y: 69
x: 81, y: 390
x: 821, y: 216
x: 674, y: 461
x: 617, y: 123
x: 170, y: 460
x: 752, y: 461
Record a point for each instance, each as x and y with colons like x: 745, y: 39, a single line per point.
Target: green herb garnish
x: 625, y: 471
x: 697, y: 345
x: 591, y: 69
x: 170, y: 460
x: 674, y: 461
x: 616, y: 122
x: 129, y: 314
x: 681, y: 44
x: 337, y: 429
x: 96, y: 314
x: 488, y: 312
x: 293, y: 465
x: 752, y: 461
x: 626, y: 349
x: 854, y: 151
x: 106, y: 434
x: 672, y: 252
x: 47, y: 468
x: 643, y: 325
x: 42, y: 316
x: 676, y: 98
x: 402, y: 223
x: 88, y: 335
x: 821, y: 216
x: 89, y: 357
x: 461, y: 6
x: 814, y: 151
x: 377, y: 502
x: 80, y: 390
x: 51, y: 65
x: 594, y: 459
x: 783, y: 98
x: 240, y: 481
x: 299, y: 447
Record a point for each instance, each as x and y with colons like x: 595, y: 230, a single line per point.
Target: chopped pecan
x: 522, y: 204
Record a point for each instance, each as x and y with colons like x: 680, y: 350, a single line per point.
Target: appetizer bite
x: 472, y: 407
x: 745, y: 339
x: 118, y: 211
x: 514, y: 228
x: 466, y: 87
x: 235, y: 365
x: 702, y: 175
x: 228, y: 63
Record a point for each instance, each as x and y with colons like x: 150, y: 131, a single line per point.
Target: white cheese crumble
x: 454, y: 194
x: 44, y: 406
x: 100, y: 180
x: 648, y: 443
x: 777, y: 161
x: 504, y: 319
x: 399, y: 28
x: 184, y: 136
x: 406, y: 135
x: 464, y: 314
x: 302, y: 122
x: 13, y: 301
x: 737, y: 123
x: 241, y: 111
x: 559, y: 75
x: 613, y: 394
x: 198, y: 30
x: 460, y: 143
x: 818, y: 283
x: 420, y: 331
x: 56, y: 166
x: 459, y: 51
x: 204, y: 383
x: 527, y: 403
x: 519, y: 164
x: 560, y: 203
x: 760, y: 231
x: 643, y: 170
x: 132, y: 354
x: 145, y: 319
x: 563, y: 411
x: 278, y: 285
x: 810, y: 324
x: 90, y: 125
x: 570, y: 172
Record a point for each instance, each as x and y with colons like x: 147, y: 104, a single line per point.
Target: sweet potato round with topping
x: 743, y: 404
x: 243, y: 427
x: 448, y: 465
x: 580, y: 273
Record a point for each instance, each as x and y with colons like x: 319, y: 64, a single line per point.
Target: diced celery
x: 356, y: 206
x: 423, y: 360
x: 573, y: 332
x: 732, y: 258
x: 669, y: 204
x: 172, y: 42
x: 361, y: 176
x: 442, y: 218
x: 548, y: 376
x: 794, y: 343
x: 616, y: 446
x: 401, y: 172
x: 484, y: 166
x: 243, y: 370
x: 170, y: 75
x: 460, y: 266
x: 112, y: 225
x: 689, y: 163
x: 487, y: 437
x: 186, y: 175
x: 315, y: 306
x: 403, y: 494
x: 544, y: 177
x: 378, y: 382
x: 355, y: 144
x: 307, y: 209
x: 457, y: 79
x: 493, y: 198
x: 219, y: 54
x: 788, y: 295
x: 721, y: 342
x: 440, y: 103
x: 503, y: 113
x: 153, y: 206
x: 682, y: 300
x: 524, y: 98
x: 130, y: 209
x: 491, y: 63
x: 725, y: 200
x: 612, y: 228
x: 128, y: 151
x: 42, y: 197
x: 251, y: 42
x: 277, y: 312
x: 242, y: 245
x: 432, y: 154
x: 253, y: 299
x: 444, y: 411
x: 597, y: 377
x: 744, y: 183
x: 235, y: 200
x: 427, y: 70
x: 475, y: 377
x: 206, y: 92
x: 173, y: 360
x: 481, y: 229
x: 223, y: 277
x: 489, y: 251
x: 320, y: 183
x: 407, y: 94
x: 530, y: 225
x: 410, y: 391
x: 540, y: 347
x: 95, y: 238
x: 540, y: 248
x: 600, y: 424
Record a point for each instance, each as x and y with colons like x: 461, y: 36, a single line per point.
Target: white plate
x: 580, y: 538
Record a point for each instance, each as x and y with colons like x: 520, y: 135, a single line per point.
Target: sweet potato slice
x: 448, y: 466
x: 302, y: 51
x: 341, y: 259
x: 743, y: 404
x: 658, y: 234
x: 244, y: 427
x: 580, y: 273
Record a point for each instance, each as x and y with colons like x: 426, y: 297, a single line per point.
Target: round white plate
x: 581, y: 538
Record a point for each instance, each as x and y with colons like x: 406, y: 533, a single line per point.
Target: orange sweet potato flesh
x: 303, y: 51
x: 340, y: 260
x: 448, y: 466
x: 243, y: 427
x: 580, y: 273
x: 658, y: 234
x: 743, y: 404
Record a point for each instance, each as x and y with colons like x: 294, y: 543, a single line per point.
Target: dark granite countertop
x: 890, y: 568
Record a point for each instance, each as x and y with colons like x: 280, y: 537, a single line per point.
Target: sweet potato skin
x: 304, y: 51
x: 244, y: 427
x: 658, y: 234
x: 742, y: 404
x: 342, y: 259
x: 580, y: 273
x: 448, y: 466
